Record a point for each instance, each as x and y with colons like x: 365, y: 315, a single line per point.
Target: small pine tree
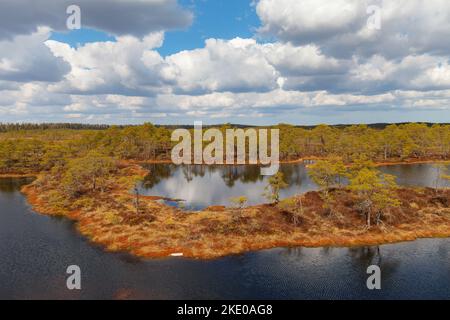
x: 239, y: 203
x: 375, y: 192
x: 276, y: 184
x: 327, y: 174
x: 441, y: 174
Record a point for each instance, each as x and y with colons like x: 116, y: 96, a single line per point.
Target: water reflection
x: 366, y: 256
x: 35, y: 251
x: 10, y: 185
x: 423, y: 175
x: 201, y: 186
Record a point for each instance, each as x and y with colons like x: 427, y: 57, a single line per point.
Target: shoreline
x: 372, y: 238
x: 212, y: 233
x: 18, y: 175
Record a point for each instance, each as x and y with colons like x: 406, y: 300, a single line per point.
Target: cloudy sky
x: 240, y: 61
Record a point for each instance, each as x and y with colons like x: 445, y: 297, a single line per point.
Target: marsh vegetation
x: 92, y: 177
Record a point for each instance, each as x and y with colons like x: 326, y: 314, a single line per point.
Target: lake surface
x: 200, y: 186
x: 35, y: 251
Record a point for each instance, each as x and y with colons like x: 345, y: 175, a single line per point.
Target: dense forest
x: 29, y: 149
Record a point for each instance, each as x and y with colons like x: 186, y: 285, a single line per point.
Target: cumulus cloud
x: 307, y: 21
x: 340, y: 27
x: 302, y: 60
x: 378, y: 74
x: 235, y: 65
x: 118, y: 17
x: 128, y: 66
x: 26, y: 58
x: 30, y: 98
x: 131, y: 66
x: 244, y: 65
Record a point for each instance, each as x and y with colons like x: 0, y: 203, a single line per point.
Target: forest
x: 30, y: 149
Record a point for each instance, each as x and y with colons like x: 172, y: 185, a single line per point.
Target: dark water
x: 201, y: 186
x: 35, y: 251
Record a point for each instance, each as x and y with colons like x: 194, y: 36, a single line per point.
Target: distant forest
x: 5, y: 127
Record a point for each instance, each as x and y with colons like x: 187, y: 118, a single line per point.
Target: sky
x: 240, y: 61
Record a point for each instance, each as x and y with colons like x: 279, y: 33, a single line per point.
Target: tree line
x: 6, y: 127
x: 394, y: 142
x: 33, y: 150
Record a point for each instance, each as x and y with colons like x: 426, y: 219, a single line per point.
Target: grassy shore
x: 157, y: 230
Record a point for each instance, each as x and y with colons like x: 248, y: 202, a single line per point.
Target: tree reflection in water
x: 294, y: 175
x: 363, y: 257
x: 203, y: 185
x: 157, y: 173
x: 10, y: 185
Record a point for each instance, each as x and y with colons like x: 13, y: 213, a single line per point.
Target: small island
x: 91, y: 177
x: 121, y: 221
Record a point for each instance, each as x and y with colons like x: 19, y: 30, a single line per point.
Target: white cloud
x: 301, y: 60
x: 340, y: 27
x: 118, y: 17
x: 276, y: 99
x: 305, y: 21
x: 236, y: 65
x: 26, y: 58
x: 127, y: 66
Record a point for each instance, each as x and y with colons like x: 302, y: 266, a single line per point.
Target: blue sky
x: 222, y: 19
